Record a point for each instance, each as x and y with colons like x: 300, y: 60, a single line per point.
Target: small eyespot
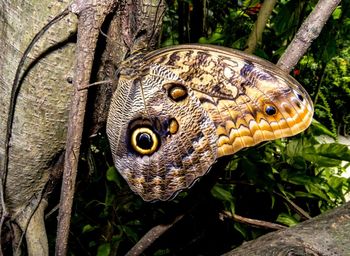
x: 299, y: 96
x: 177, y: 92
x: 144, y: 141
x: 270, y: 110
x: 173, y: 126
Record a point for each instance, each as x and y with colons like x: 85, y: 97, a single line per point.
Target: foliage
x: 284, y: 181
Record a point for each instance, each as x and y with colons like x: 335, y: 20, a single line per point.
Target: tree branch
x: 256, y: 35
x: 253, y: 222
x: 327, y: 234
x: 150, y: 237
x: 309, y: 31
x: 91, y: 17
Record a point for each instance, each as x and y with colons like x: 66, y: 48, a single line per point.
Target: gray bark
x: 40, y: 120
x: 41, y: 112
x: 39, y: 128
x: 327, y: 235
x: 307, y: 33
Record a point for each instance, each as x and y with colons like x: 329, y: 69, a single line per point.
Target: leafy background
x: 284, y: 181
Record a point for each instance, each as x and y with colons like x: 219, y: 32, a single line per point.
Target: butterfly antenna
x: 94, y: 84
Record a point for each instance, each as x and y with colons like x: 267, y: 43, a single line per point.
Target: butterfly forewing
x: 248, y: 99
x: 177, y: 109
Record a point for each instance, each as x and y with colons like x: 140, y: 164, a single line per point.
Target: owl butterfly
x: 176, y: 110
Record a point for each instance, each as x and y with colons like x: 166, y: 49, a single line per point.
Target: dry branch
x: 91, y: 17
x: 327, y: 234
x: 150, y: 237
x: 253, y: 222
x: 256, y: 35
x: 307, y: 33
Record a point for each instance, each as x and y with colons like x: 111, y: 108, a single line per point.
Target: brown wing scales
x: 236, y: 90
x: 197, y: 103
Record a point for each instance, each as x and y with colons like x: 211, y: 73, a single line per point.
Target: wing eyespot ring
x: 144, y: 140
x: 270, y: 110
x: 177, y: 92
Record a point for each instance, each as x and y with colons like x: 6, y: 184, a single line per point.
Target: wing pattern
x: 178, y: 109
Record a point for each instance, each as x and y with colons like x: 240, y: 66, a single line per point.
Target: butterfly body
x: 176, y: 110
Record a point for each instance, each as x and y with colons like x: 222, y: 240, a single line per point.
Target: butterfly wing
x: 199, y: 102
x: 159, y: 145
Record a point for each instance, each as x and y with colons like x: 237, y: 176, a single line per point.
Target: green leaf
x: 326, y: 155
x: 88, y: 228
x: 109, y: 199
x: 297, y: 178
x: 104, y: 249
x: 241, y: 229
x: 317, y: 129
x: 303, y: 194
x: 132, y: 235
x: 221, y: 193
x: 337, y: 13
x: 113, y: 176
x: 162, y: 252
x: 286, y: 219
x: 316, y: 190
x: 334, y: 150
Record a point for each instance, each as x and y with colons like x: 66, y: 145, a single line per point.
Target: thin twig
x: 93, y: 84
x: 297, y: 208
x: 259, y: 26
x: 253, y: 222
x: 150, y: 237
x: 307, y: 33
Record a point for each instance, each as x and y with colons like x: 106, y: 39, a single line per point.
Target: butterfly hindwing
x: 177, y: 109
x: 158, y: 104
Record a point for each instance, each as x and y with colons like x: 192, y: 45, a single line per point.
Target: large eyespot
x: 270, y: 110
x: 176, y: 92
x: 144, y: 141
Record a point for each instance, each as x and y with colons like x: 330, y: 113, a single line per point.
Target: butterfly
x: 177, y: 110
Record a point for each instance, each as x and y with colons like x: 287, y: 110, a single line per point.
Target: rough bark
x: 40, y: 122
x: 307, y: 33
x: 91, y: 17
x: 327, y: 234
x: 40, y: 119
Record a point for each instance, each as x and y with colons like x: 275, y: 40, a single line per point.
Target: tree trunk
x: 39, y: 127
x: 40, y: 120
